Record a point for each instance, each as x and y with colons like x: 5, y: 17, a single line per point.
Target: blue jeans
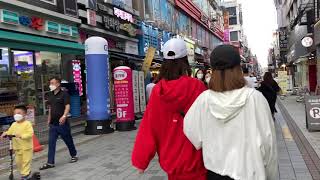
x: 65, y: 133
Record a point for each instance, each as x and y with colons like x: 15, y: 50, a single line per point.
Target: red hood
x: 178, y: 92
x: 161, y: 130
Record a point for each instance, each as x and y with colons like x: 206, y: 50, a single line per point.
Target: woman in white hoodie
x: 233, y: 124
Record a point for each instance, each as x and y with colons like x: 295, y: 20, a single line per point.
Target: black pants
x: 214, y: 176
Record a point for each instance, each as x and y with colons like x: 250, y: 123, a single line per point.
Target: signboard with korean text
x: 65, y: 30
x: 123, y: 15
x: 123, y: 89
x: 30, y: 24
x: 136, y: 97
x: 9, y: 17
x: 142, y: 92
x: 91, y: 17
x: 283, y: 81
x: 111, y: 23
x: 312, y: 112
x: 283, y: 39
x: 52, y: 27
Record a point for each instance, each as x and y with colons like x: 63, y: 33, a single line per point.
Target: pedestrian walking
x: 161, y: 129
x: 233, y: 124
x: 208, y: 78
x: 150, y: 87
x: 252, y: 81
x: 22, y: 141
x: 270, y: 88
x: 59, y: 107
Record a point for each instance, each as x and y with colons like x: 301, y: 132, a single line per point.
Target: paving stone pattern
x: 108, y: 157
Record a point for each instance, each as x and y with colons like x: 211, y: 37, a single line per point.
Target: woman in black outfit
x: 270, y: 88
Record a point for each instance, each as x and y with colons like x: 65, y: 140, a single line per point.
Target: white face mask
x: 208, y: 80
x: 18, y: 117
x: 199, y: 76
x: 52, y: 87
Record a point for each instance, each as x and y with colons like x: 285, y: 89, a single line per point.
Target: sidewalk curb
x: 308, y: 153
x: 43, y: 155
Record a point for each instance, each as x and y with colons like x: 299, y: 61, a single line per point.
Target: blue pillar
x: 98, y: 99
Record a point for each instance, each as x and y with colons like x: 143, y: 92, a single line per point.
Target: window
x: 232, y: 11
x: 233, y: 21
x: 234, y: 36
x: 50, y: 1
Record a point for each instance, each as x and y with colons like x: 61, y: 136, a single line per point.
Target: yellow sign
x: 148, y: 60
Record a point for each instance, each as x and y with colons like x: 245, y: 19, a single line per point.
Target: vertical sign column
x: 123, y: 89
x: 98, y: 99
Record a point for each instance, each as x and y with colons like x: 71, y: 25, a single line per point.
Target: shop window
x: 17, y: 85
x: 8, y: 85
x: 233, y: 21
x: 48, y: 65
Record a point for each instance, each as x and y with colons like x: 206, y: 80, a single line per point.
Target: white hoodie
x: 236, y: 131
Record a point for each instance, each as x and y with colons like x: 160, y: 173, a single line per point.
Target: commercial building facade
x: 296, y: 21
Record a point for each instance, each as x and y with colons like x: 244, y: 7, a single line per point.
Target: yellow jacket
x: 25, y: 130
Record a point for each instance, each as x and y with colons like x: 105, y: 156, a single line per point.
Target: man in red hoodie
x: 161, y: 130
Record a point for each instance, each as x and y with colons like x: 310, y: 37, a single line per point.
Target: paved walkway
x: 107, y: 157
x: 307, y: 142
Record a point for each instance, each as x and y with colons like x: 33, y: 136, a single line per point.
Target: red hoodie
x: 161, y: 131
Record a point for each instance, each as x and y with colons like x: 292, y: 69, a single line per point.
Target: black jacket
x: 270, y: 94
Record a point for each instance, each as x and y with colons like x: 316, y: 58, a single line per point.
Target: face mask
x: 52, y: 87
x: 199, y: 76
x: 208, y: 80
x: 18, y: 117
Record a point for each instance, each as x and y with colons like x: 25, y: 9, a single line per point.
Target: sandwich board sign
x: 312, y: 113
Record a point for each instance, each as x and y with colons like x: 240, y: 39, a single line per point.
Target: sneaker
x: 74, y: 159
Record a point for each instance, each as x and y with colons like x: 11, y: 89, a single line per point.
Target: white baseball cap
x: 175, y: 49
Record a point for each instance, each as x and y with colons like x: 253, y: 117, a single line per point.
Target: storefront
x: 118, y: 24
x: 33, y: 48
x: 317, y: 46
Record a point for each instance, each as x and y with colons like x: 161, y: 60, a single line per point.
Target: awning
x: 37, y: 43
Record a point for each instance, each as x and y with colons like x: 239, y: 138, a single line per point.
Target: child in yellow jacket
x: 22, y: 143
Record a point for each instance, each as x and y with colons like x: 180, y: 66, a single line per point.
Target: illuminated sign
x: 77, y: 75
x: 123, y: 15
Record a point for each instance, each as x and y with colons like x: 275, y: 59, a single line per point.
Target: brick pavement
x: 307, y: 142
x: 107, y: 157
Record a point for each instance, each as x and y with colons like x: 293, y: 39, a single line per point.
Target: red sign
x: 77, y: 75
x: 91, y: 17
x: 123, y: 89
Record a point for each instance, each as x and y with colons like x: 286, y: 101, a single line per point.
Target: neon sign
x: 123, y: 15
